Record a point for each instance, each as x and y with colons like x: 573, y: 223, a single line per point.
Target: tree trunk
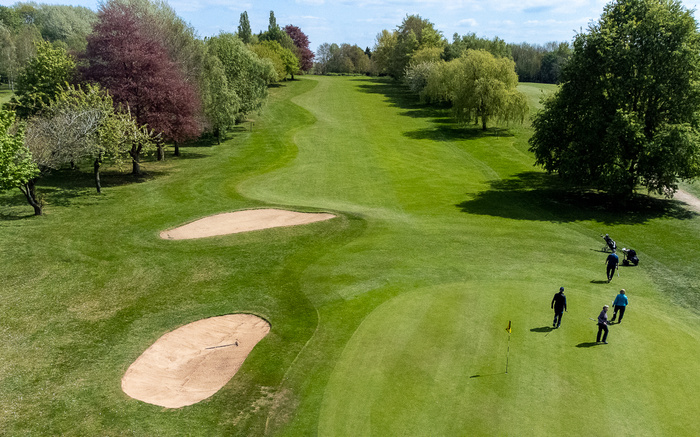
x: 29, y: 191
x: 135, y: 167
x: 160, y: 150
x: 98, y: 162
x: 177, y: 149
x: 135, y: 153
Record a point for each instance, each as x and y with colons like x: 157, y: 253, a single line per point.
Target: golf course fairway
x: 389, y: 319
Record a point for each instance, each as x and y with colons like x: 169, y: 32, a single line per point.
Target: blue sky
x: 359, y: 22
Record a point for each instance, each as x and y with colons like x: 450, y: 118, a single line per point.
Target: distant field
x: 387, y: 320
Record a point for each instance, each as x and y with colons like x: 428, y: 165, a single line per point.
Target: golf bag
x: 609, y: 243
x: 630, y: 257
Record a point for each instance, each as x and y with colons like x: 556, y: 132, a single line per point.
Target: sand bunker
x: 194, y: 361
x: 242, y: 221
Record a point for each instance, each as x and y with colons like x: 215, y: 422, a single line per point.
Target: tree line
x: 393, y: 51
x: 138, y: 79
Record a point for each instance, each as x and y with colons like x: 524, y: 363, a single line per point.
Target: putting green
x: 434, y: 359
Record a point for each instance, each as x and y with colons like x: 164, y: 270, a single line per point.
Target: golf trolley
x: 609, y: 244
x: 630, y: 257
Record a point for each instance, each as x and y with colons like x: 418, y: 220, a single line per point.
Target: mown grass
x: 387, y: 320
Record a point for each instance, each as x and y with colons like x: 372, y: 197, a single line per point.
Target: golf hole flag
x: 508, y: 328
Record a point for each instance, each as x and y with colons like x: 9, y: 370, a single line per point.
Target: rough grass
x: 388, y: 320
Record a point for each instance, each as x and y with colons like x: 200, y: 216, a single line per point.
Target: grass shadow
x: 400, y: 96
x: 538, y: 196
x: 453, y: 132
x: 63, y: 187
x: 542, y: 329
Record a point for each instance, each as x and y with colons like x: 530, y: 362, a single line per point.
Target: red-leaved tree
x: 301, y: 41
x: 124, y: 58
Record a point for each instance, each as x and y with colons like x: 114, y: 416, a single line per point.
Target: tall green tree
x: 395, y: 50
x: 285, y: 62
x: 627, y: 111
x: 220, y: 101
x: 42, y: 79
x: 244, y: 32
x: 247, y: 75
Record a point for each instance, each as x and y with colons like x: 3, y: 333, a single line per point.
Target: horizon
x: 534, y: 22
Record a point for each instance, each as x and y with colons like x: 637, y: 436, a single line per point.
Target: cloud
x: 469, y: 22
x: 538, y: 9
x: 310, y: 2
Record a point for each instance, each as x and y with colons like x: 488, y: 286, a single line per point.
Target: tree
x: 40, y: 81
x: 80, y: 123
x: 17, y: 48
x: 627, y: 110
x: 285, y: 62
x: 68, y: 25
x: 301, y: 41
x: 17, y: 169
x: 246, y: 74
x: 460, y: 45
x: 275, y: 33
x: 323, y: 57
x: 413, y: 34
x: 123, y: 57
x: 481, y: 87
x: 383, y: 49
x: 162, y: 24
x: 220, y: 101
x: 244, y: 32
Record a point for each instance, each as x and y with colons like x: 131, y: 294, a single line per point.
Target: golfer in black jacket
x: 559, y: 305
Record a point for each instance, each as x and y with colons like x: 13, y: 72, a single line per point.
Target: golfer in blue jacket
x: 619, y: 304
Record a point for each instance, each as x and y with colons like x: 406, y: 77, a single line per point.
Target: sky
x: 359, y: 22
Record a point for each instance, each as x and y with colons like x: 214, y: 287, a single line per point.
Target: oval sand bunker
x: 193, y: 362
x: 242, y: 221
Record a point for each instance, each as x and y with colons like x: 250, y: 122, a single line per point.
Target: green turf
x: 388, y: 320
x: 5, y: 94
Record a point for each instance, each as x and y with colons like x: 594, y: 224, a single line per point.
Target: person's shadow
x: 587, y: 344
x: 542, y: 329
x: 595, y: 281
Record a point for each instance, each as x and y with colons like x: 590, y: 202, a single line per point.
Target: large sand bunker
x: 194, y: 361
x: 242, y: 221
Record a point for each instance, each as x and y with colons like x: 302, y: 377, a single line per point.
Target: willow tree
x: 480, y: 86
x: 627, y: 110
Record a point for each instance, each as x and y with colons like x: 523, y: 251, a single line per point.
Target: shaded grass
x: 5, y: 94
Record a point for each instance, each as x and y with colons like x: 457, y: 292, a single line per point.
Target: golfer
x: 603, y: 324
x: 559, y: 305
x: 612, y: 261
x: 619, y: 304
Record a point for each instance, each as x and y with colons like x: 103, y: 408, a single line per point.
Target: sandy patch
x: 242, y: 221
x: 692, y: 201
x: 194, y: 361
